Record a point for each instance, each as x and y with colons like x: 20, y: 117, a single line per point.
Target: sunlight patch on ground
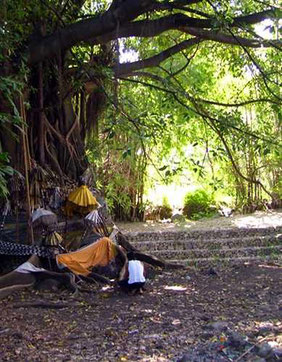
x: 147, y: 310
x: 258, y: 220
x: 151, y: 223
x: 156, y: 358
x: 177, y: 288
x: 103, y: 289
x: 270, y: 266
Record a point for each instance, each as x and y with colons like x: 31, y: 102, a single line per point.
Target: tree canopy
x: 141, y: 75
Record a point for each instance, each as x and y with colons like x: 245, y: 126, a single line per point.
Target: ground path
x: 174, y: 317
x: 259, y: 219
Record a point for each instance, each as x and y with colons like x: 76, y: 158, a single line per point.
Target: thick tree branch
x: 125, y: 68
x: 81, y: 31
x: 116, y: 23
x: 253, y: 18
x: 227, y: 39
x: 128, y: 68
x: 150, y: 28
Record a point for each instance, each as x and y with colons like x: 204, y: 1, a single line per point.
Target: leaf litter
x: 227, y: 316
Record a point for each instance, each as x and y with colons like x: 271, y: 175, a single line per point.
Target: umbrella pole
x: 26, y: 169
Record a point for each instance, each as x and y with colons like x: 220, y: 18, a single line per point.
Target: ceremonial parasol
x: 81, y: 200
x: 53, y: 239
x: 95, y: 220
x: 44, y: 218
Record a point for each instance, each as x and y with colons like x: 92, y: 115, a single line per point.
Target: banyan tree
x: 60, y: 66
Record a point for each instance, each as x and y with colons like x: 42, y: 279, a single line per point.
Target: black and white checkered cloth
x: 7, y: 248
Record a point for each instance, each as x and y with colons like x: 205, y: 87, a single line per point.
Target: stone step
x: 217, y: 253
x: 230, y: 261
x: 202, y: 234
x: 210, y: 244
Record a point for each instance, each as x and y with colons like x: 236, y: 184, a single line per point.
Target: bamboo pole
x: 27, y: 167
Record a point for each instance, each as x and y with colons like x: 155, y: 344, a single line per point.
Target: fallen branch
x: 4, y: 330
x: 250, y: 349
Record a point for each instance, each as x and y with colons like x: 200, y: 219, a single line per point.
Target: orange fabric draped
x: 83, y: 260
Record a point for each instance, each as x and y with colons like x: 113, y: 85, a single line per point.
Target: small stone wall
x: 219, y: 245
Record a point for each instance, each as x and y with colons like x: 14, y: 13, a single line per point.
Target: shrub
x: 198, y: 204
x: 158, y: 213
x: 165, y: 212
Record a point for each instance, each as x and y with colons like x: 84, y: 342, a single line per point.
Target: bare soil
x: 173, y: 317
x: 259, y: 219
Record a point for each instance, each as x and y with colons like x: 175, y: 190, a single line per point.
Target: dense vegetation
x: 174, y: 90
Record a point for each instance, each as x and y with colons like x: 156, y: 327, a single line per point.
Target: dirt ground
x: 175, y: 317
x: 222, y: 314
x: 259, y: 219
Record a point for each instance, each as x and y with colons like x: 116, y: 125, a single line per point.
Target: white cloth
x: 27, y: 267
x: 136, y: 272
x: 39, y: 213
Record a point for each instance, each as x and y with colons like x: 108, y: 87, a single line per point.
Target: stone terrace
x: 239, y: 239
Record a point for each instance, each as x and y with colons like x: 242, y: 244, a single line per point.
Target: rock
x: 211, y: 271
x: 48, y: 285
x: 278, y: 353
x: 207, y: 335
x: 236, y: 340
x: 273, y: 344
x: 218, y: 326
x: 178, y: 218
x: 205, y: 317
x: 225, y: 211
x: 159, y: 345
x: 17, y: 335
x: 266, y: 329
x: 185, y: 358
x: 265, y: 351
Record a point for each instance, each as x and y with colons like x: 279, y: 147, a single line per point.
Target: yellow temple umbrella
x: 80, y: 200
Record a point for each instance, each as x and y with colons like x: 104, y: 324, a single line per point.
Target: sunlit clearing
x: 177, y: 288
x: 174, y: 193
x: 259, y: 220
x: 188, y: 226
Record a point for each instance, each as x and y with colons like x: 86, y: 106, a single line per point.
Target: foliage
x: 5, y: 172
x: 207, y: 115
x: 158, y: 212
x: 198, y: 204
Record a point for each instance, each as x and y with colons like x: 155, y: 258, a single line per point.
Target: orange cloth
x: 83, y: 260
